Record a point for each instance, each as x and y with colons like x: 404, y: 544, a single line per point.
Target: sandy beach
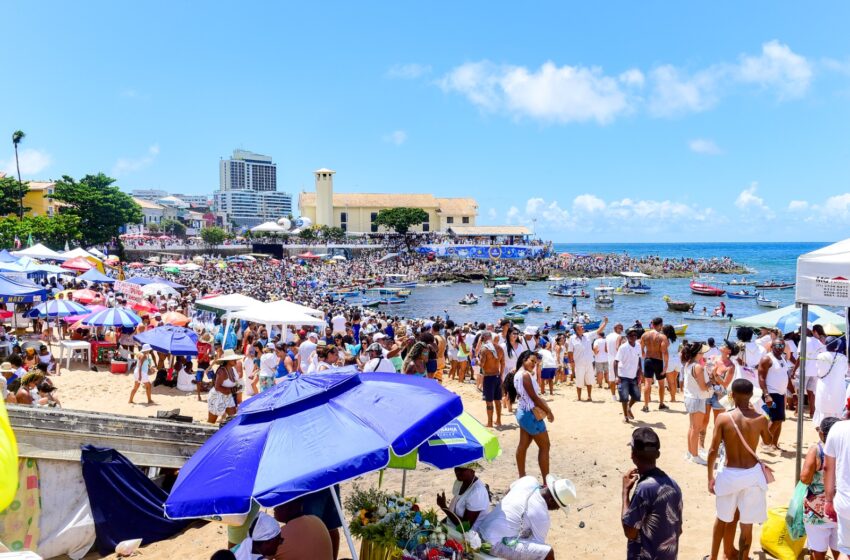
x: 588, y: 446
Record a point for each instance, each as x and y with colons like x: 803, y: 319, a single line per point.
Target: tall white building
x: 248, y: 194
x: 247, y: 171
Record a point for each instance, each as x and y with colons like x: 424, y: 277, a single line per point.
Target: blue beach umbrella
x: 113, y: 317
x: 306, y: 434
x: 792, y: 321
x: 96, y: 276
x: 171, y: 339
x: 461, y: 441
x: 57, y: 308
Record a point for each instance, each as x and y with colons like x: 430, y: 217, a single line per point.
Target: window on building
x: 373, y: 216
x: 343, y: 226
x: 343, y: 217
x: 466, y: 219
x: 450, y: 220
x: 374, y: 228
x: 426, y: 227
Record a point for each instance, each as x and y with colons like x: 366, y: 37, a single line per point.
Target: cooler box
x: 118, y: 367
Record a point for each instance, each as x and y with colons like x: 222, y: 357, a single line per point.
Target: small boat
x: 555, y: 278
x: 398, y: 281
x: 633, y: 284
x: 583, y: 319
x: 741, y: 294
x: 604, y: 296
x: 515, y: 317
x: 765, y: 302
x: 519, y: 308
x: 561, y: 290
x: 680, y: 330
x: 701, y: 289
x: 469, y: 300
x: 371, y: 302
x: 706, y: 317
x: 395, y: 300
x: 500, y: 301
x: 684, y: 306
x: 774, y: 285
x: 743, y: 281
x: 491, y: 283
x: 504, y: 290
x: 536, y: 306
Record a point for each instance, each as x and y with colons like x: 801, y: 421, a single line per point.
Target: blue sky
x: 617, y: 121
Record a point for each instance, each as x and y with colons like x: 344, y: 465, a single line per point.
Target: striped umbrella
x: 57, y: 308
x: 86, y: 296
x: 113, y: 317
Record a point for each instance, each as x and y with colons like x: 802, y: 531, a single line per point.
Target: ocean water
x: 767, y: 260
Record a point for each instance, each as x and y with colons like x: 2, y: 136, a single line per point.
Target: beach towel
x: 19, y: 522
x: 67, y: 525
x: 125, y: 503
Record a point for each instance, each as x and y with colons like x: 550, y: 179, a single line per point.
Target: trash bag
x: 776, y: 538
x: 796, y: 509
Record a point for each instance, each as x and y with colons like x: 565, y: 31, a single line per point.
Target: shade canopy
x: 57, y: 308
x: 86, y: 296
x: 20, y: 290
x: 78, y: 264
x: 306, y: 434
x: 269, y: 227
x: 171, y: 339
x: 823, y: 276
x: 39, y: 251
x: 144, y: 281
x: 461, y: 441
x: 267, y: 315
x: 113, y: 317
x: 158, y: 287
x: 817, y: 315
x: 7, y: 257
x: 175, y: 318
x: 78, y: 252
x: 224, y: 303
x: 96, y: 276
x: 285, y: 306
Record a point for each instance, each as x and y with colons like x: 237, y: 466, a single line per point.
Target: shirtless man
x: 492, y: 364
x: 441, y: 351
x: 654, y: 345
x: 740, y: 488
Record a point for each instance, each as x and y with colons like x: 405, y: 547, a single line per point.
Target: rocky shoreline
x: 479, y: 276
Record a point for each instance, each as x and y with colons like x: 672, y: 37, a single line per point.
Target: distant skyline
x: 639, y: 122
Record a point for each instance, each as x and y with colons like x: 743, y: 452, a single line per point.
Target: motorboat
x: 741, y: 294
x: 398, y: 281
x: 395, y: 300
x: 604, y: 296
x: 633, y: 284
x: 536, y: 306
x: 515, y: 317
x: 371, y: 302
x: 519, y: 308
x: 674, y: 305
x: 701, y: 289
x: 490, y: 283
x: 499, y: 301
x: 743, y: 281
x: 774, y: 285
x: 563, y: 290
x: 504, y: 290
x: 765, y: 302
x: 469, y: 300
x: 583, y: 319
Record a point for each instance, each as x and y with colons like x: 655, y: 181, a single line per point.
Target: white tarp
x: 66, y: 524
x: 229, y: 302
x: 268, y: 315
x: 823, y: 276
x: 39, y: 251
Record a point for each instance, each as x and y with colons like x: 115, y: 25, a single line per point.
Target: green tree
x: 307, y: 234
x: 332, y: 232
x: 173, y: 227
x: 213, y: 235
x: 100, y: 206
x: 17, y: 138
x: 52, y: 231
x: 152, y: 227
x: 10, y: 196
x: 401, y: 220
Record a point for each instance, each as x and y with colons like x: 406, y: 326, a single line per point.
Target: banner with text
x: 495, y: 252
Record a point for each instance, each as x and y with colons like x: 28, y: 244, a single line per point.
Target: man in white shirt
x: 712, y: 350
x: 581, y: 357
x: 518, y: 526
x: 814, y: 346
x: 307, y: 351
x: 338, y: 324
x: 377, y: 361
x: 836, y: 481
x: 269, y: 361
x: 612, y: 343
x: 600, y: 359
x: 626, y: 372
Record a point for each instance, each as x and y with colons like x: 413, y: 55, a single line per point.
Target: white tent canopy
x: 267, y: 315
x: 770, y: 318
x: 284, y: 306
x: 39, y: 251
x: 823, y: 276
x: 77, y: 252
x: 229, y: 302
x: 268, y: 227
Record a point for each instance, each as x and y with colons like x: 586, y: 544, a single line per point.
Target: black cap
x: 645, y: 439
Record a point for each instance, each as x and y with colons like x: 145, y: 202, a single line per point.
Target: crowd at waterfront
x: 614, y: 264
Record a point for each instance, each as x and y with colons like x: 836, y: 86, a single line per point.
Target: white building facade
x: 248, y: 194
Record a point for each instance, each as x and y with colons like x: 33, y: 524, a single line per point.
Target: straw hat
x: 228, y: 356
x: 6, y: 367
x: 206, y: 338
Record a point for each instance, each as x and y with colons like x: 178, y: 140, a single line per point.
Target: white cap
x: 313, y: 334
x: 530, y: 331
x: 562, y: 489
x: 379, y: 336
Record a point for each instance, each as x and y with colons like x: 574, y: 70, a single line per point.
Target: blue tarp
x: 19, y: 290
x: 96, y: 276
x: 171, y: 339
x: 124, y: 502
x: 7, y: 257
x: 142, y: 281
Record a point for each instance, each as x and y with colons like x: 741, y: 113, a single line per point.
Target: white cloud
x: 633, y: 77
x: 675, y: 93
x: 408, y: 71
x: 704, y: 146
x: 397, y: 137
x: 588, y: 203
x: 749, y: 201
x: 562, y: 94
x: 838, y: 206
x: 32, y: 162
x: 797, y: 205
x: 777, y: 68
x: 492, y: 213
x: 130, y: 165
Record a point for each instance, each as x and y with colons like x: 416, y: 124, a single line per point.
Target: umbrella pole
x: 801, y: 393
x: 344, y: 524
x: 403, y: 481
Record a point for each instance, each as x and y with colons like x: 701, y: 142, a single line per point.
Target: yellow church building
x: 356, y: 212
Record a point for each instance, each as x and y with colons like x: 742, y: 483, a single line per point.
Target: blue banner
x: 494, y: 252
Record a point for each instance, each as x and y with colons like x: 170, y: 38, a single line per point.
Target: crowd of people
x: 614, y: 264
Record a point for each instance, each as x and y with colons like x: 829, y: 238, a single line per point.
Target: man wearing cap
x: 652, y: 516
x: 581, y: 356
x: 377, y: 361
x: 307, y: 352
x: 518, y: 526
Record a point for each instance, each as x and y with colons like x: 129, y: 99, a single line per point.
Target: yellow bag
x: 776, y: 539
x: 8, y: 460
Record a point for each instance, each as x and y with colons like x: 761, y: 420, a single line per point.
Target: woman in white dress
x: 470, y: 497
x: 142, y: 371
x: 830, y: 387
x: 221, y: 400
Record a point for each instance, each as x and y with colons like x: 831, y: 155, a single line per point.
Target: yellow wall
x: 359, y: 218
x: 39, y: 203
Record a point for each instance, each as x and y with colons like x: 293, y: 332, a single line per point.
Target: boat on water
x: 398, y: 281
x: 491, y: 282
x: 555, y: 278
x: 743, y: 281
x: 371, y: 302
x: 562, y: 290
x: 394, y: 300
x: 604, y: 296
x: 499, y: 301
x: 702, y: 289
x: 680, y: 330
x: 706, y: 317
x: 385, y: 291
x: 515, y: 317
x: 536, y: 306
x: 741, y: 294
x: 774, y: 285
x: 633, y: 284
x: 504, y: 290
x: 765, y: 302
x: 469, y: 300
x: 519, y: 308
x: 674, y: 305
x: 588, y: 322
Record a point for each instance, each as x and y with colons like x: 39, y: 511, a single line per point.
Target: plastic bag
x: 127, y: 548
x: 776, y: 539
x: 796, y: 509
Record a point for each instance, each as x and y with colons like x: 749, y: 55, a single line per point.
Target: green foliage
x: 51, y: 231
x: 401, y: 220
x: 213, y: 235
x: 100, y: 206
x: 330, y: 232
x: 173, y: 227
x: 307, y: 234
x: 11, y: 194
x: 152, y: 228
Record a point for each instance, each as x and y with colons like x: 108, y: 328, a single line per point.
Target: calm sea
x: 767, y: 260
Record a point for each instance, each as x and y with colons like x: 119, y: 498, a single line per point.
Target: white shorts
x: 742, y: 490
x: 822, y: 538
x: 844, y: 534
x: 524, y: 550
x: 585, y: 374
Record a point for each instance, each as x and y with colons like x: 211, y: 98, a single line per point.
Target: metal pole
x: 801, y: 392
x: 847, y: 331
x: 403, y: 481
x: 344, y: 524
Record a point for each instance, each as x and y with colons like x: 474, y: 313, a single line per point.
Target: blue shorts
x: 628, y: 389
x: 548, y: 373
x: 431, y: 366
x: 321, y: 504
x: 527, y: 421
x: 199, y: 375
x: 714, y: 402
x: 492, y: 388
x: 776, y: 413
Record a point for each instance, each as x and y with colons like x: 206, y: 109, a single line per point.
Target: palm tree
x: 17, y: 136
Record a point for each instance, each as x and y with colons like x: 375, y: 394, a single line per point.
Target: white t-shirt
x: 338, y: 324
x: 628, y: 358
x: 510, y: 361
x: 522, y: 509
x: 475, y: 498
x: 379, y: 364
x: 600, y: 346
x: 777, y: 375
x: 268, y: 364
x: 691, y: 386
x: 611, y: 347
x: 752, y: 354
x: 547, y: 359
x: 582, y: 349
x: 305, y: 352
x: 838, y: 446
